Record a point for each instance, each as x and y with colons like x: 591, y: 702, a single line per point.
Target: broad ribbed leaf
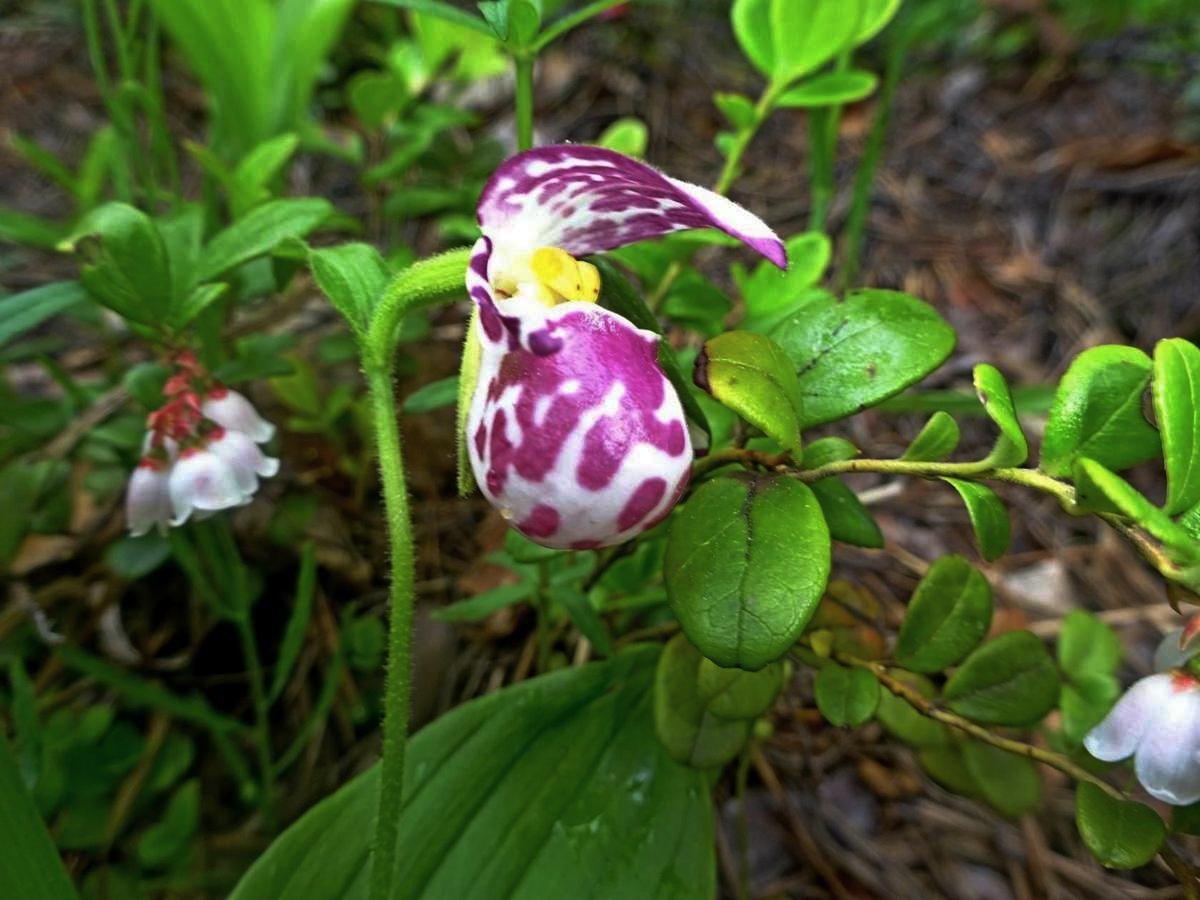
x: 30, y: 867
x: 556, y: 787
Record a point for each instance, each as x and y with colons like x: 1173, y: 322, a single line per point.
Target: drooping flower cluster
x: 200, y: 453
x: 1157, y: 722
x: 574, y: 433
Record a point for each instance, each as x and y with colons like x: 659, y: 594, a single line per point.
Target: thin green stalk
x: 823, y: 126
x: 728, y: 175
x: 571, y: 22
x: 420, y: 284
x: 523, y: 64
x: 743, y: 828
x: 864, y: 178
x: 262, y: 721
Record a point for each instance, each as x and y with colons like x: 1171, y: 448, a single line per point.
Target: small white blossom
x: 201, y: 480
x: 147, y: 498
x: 247, y: 461
x: 1157, y: 722
x: 234, y: 412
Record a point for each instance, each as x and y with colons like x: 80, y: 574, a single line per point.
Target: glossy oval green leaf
x: 703, y: 713
x: 627, y: 135
x: 902, y: 721
x: 746, y: 563
x: 1177, y: 408
x: 849, y: 520
x: 1098, y: 488
x: 988, y: 515
x: 852, y: 354
x: 1087, y: 646
x: 751, y: 21
x: 1012, y: 449
x: 875, y: 16
x: 1010, y: 680
x: 1097, y: 412
x: 770, y: 295
x: 1121, y: 834
x: 1008, y: 782
x: 737, y: 108
x: 1085, y: 701
x: 806, y: 34
x: 750, y: 374
x: 736, y: 693
x: 830, y: 89
x: 936, y: 440
x: 949, y: 614
x: 845, y: 696
x: 555, y: 786
x: 829, y: 449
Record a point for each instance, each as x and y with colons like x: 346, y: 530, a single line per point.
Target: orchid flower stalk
x: 573, y: 432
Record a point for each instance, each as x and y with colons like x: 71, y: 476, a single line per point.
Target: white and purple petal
x: 574, y: 433
x: 587, y: 199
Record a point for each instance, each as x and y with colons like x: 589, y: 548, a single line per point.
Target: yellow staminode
x: 563, y: 277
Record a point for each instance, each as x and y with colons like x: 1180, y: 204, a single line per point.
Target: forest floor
x: 1042, y: 205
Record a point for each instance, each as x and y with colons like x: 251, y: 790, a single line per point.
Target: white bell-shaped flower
x: 147, y: 498
x: 203, y: 481
x: 248, y: 462
x: 1157, y: 722
x: 234, y: 412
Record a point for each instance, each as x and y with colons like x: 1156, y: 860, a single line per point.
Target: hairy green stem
x: 421, y: 284
x: 399, y: 650
x: 523, y: 64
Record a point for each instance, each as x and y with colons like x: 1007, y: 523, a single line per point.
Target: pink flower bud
x: 243, y: 456
x: 201, y: 480
x: 232, y: 411
x: 1157, y: 722
x: 147, y: 500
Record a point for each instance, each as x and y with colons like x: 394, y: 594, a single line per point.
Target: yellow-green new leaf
x: 752, y: 375
x: 1012, y: 449
x: 988, y: 515
x: 937, y: 440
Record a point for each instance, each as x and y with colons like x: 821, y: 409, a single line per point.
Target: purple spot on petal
x: 585, y: 545
x: 644, y: 499
x: 541, y: 522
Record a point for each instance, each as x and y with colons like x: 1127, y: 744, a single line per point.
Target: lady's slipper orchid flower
x: 1157, y: 722
x: 232, y: 411
x: 147, y: 499
x: 574, y: 433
